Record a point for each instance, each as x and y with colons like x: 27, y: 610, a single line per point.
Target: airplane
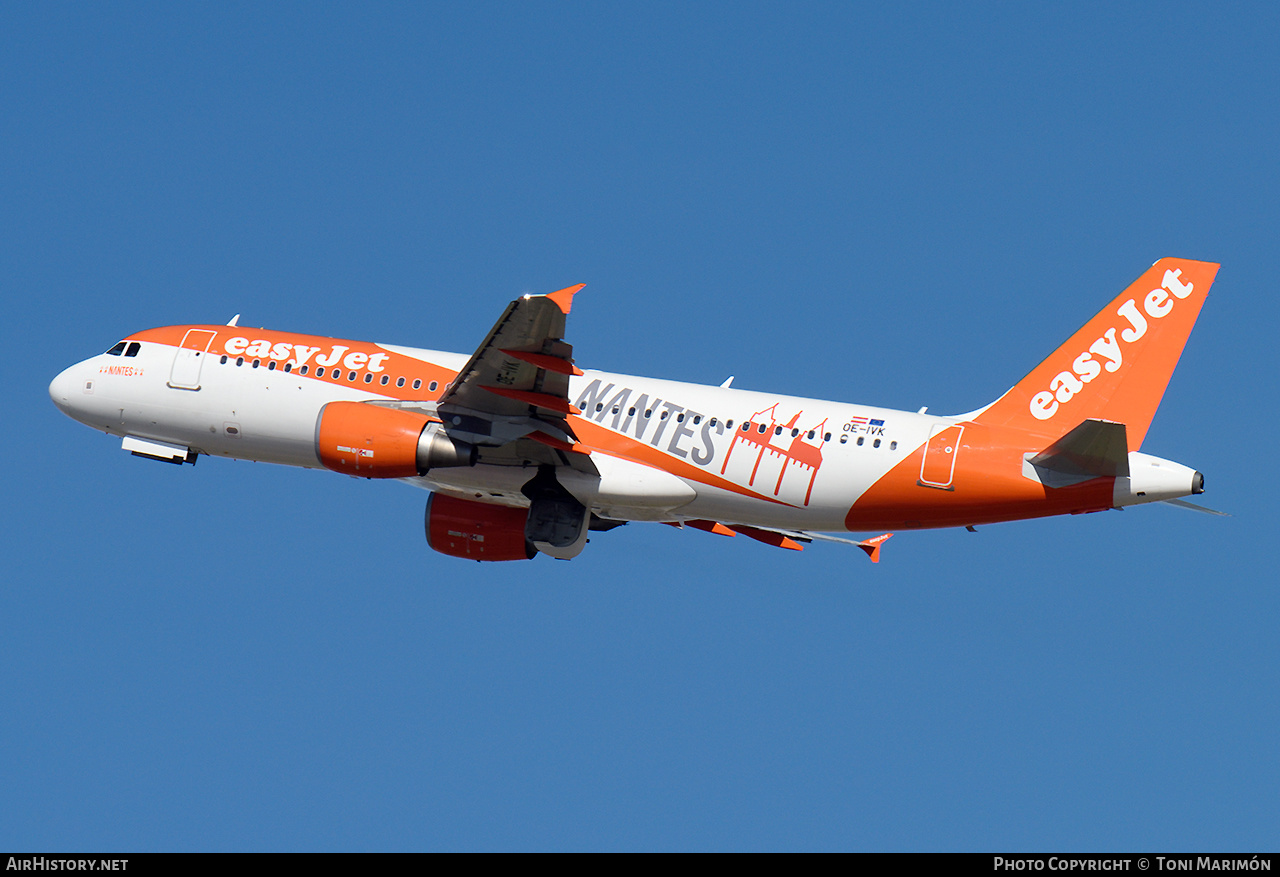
x: 523, y: 452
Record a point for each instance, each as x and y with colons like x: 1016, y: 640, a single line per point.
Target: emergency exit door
x: 939, y: 465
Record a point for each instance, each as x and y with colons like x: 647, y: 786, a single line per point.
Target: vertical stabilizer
x: 1117, y: 366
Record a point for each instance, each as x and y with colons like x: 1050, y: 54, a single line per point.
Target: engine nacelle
x: 370, y: 441
x: 477, y: 530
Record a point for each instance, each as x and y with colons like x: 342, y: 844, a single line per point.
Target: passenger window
x: 844, y: 439
x: 762, y: 428
x: 728, y: 424
x: 417, y: 383
x: 663, y: 415
x: 826, y: 437
x: 117, y: 350
x: 134, y: 347
x: 351, y: 376
x: 239, y: 360
x: 861, y: 439
x: 810, y: 435
x: 679, y: 417
x: 257, y: 362
x: 304, y: 369
x: 777, y: 430
x: 432, y: 386
x: 385, y: 380
x: 697, y: 420
x: 368, y: 378
x: 224, y: 359
x: 288, y: 367
x: 631, y: 412
x: 271, y: 366
x: 876, y: 443
x: 893, y: 446
x: 794, y: 433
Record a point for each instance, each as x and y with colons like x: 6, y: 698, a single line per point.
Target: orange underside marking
x: 597, y: 436
x: 987, y: 486
x: 542, y: 360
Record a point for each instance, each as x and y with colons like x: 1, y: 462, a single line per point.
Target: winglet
x: 872, y: 546
x: 564, y: 297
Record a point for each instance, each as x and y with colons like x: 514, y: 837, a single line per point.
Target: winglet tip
x: 872, y: 546
x: 564, y: 297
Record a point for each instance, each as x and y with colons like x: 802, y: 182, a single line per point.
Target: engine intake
x: 370, y: 441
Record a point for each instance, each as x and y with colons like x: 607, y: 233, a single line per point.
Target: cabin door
x: 190, y: 356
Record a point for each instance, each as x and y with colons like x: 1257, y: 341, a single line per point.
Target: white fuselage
x: 813, y: 461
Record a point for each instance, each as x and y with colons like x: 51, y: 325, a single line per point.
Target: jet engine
x: 477, y: 530
x: 371, y: 441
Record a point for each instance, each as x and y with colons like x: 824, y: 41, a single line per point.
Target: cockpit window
x: 134, y: 347
x: 117, y: 350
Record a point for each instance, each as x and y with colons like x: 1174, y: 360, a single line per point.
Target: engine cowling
x: 477, y: 530
x: 371, y: 441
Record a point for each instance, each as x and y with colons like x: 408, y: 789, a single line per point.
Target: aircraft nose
x: 63, y: 389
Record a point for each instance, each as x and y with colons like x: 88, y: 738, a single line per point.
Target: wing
x: 791, y: 539
x: 511, y: 399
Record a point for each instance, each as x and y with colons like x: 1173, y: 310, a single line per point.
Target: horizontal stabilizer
x: 1094, y: 449
x: 1183, y: 504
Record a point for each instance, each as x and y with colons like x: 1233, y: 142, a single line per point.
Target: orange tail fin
x: 1117, y: 366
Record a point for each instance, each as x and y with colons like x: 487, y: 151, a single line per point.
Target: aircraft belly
x: 717, y: 504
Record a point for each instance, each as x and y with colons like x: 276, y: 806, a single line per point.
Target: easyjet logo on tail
x: 1109, y: 349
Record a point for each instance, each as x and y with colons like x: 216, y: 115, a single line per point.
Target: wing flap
x: 790, y: 539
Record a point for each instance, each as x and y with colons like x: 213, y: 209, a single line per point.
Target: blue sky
x: 900, y: 205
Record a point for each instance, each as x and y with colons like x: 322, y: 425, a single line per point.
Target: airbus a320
x: 525, y: 453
